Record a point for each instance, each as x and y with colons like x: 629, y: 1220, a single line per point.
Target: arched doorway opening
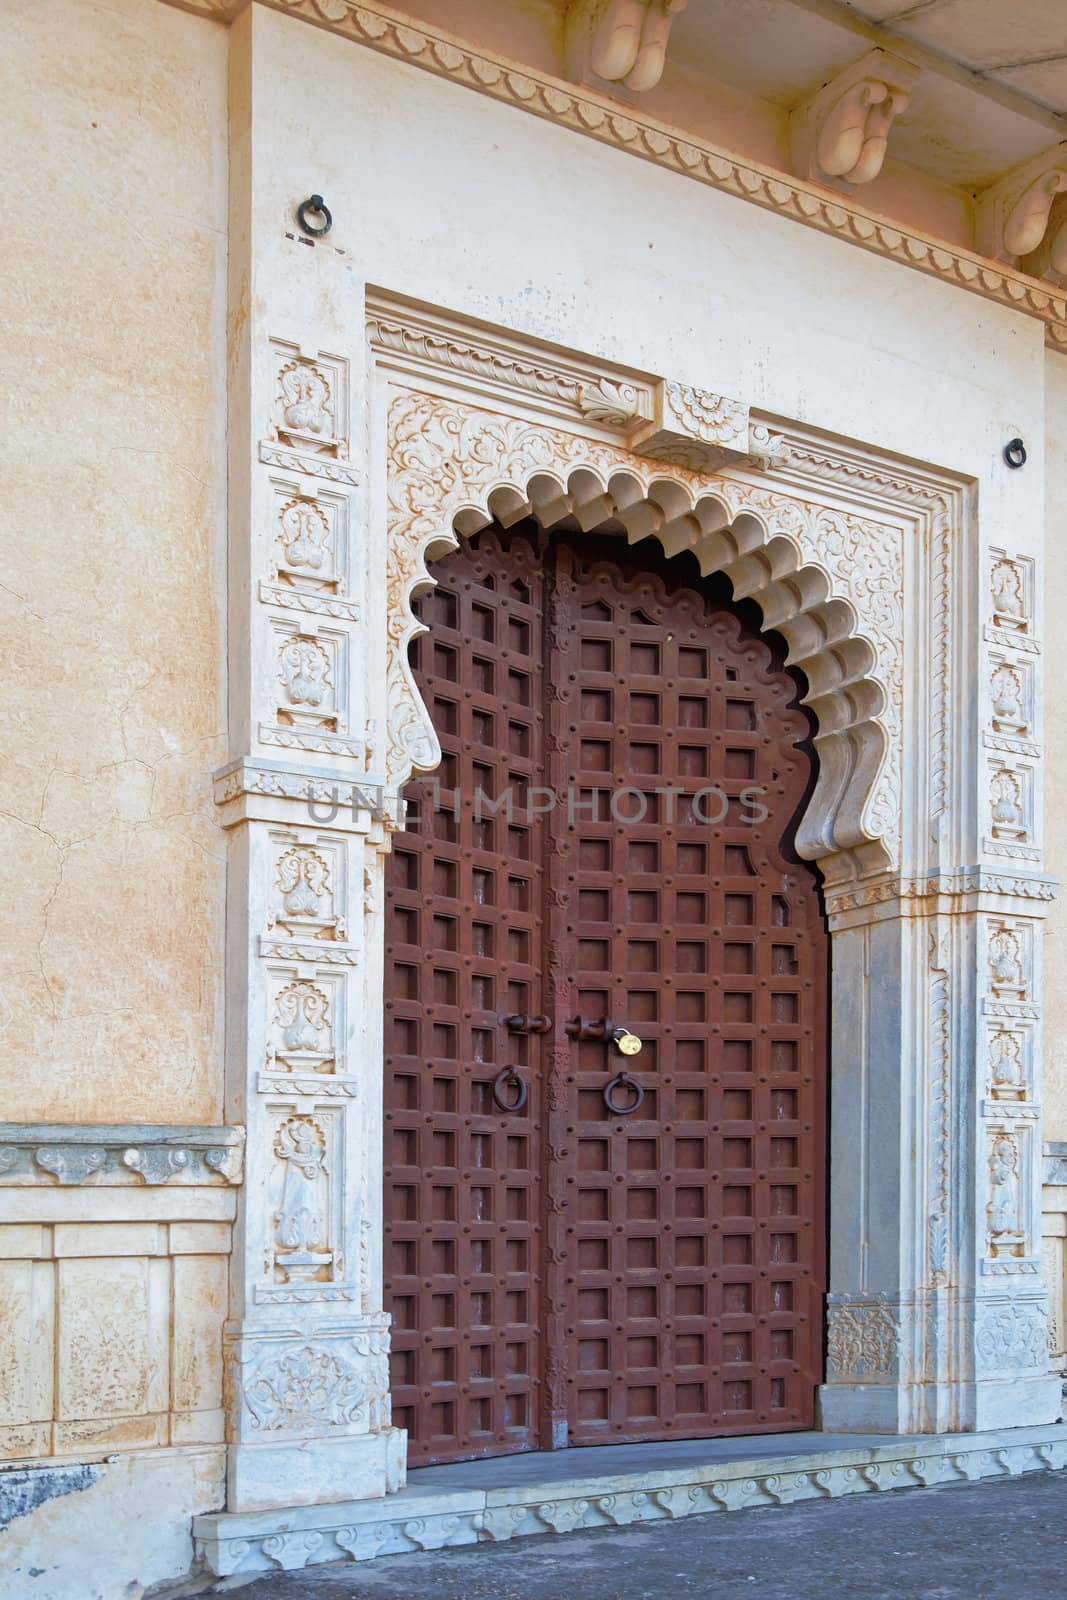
x: 583, y: 1245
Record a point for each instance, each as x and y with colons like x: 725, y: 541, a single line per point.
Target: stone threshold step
x: 516, y: 1496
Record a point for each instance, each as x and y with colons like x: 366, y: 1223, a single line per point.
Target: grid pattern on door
x: 462, y: 1176
x: 563, y: 1273
x: 696, y: 1227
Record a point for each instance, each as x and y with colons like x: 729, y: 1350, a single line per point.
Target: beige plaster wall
x: 1055, y: 1124
x: 112, y: 304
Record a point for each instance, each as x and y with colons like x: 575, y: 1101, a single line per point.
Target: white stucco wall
x: 450, y: 197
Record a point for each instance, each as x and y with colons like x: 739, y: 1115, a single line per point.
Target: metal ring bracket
x: 508, y: 1078
x: 1015, y: 453
x: 623, y: 1080
x: 316, y: 204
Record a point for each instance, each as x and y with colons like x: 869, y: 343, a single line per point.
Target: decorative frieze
x: 70, y: 1154
x: 972, y: 884
x: 513, y: 370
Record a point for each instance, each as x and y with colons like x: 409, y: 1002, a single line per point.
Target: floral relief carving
x: 1011, y: 1336
x: 714, y: 418
x: 1006, y: 963
x: 305, y: 907
x: 1006, y: 692
x: 1006, y: 1070
x: 305, y: 672
x: 863, y: 1341
x: 446, y: 459
x: 1009, y: 596
x: 304, y: 540
x: 304, y: 879
x: 1006, y: 806
x: 309, y: 1387
x: 610, y: 402
x: 305, y: 406
x: 303, y: 1030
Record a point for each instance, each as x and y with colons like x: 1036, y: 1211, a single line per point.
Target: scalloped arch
x: 829, y: 582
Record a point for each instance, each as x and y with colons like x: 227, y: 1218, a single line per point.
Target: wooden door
x: 585, y: 1246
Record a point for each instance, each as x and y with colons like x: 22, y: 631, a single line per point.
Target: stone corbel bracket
x: 842, y: 132
x: 702, y: 431
x: 619, y: 44
x: 1020, y: 219
x: 673, y: 423
x: 112, y: 1155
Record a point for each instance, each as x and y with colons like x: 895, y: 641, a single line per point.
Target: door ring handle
x: 508, y: 1078
x: 623, y: 1080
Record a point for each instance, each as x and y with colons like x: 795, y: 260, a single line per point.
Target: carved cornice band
x: 586, y: 112
x: 922, y: 894
x: 51, y: 1153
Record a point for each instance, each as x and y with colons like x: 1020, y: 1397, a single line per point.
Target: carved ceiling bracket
x: 1022, y: 219
x: 619, y: 45
x: 842, y: 132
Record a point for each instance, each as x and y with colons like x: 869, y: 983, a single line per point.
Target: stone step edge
x: 433, y: 1518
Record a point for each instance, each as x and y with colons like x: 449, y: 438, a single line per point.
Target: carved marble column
x: 306, y: 1344
x: 938, y: 1312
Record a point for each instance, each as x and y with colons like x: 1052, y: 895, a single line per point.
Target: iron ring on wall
x: 1015, y: 453
x: 314, y: 203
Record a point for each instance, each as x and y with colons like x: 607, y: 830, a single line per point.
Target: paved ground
x: 1000, y: 1540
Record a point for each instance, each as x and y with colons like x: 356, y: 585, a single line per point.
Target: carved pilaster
x: 305, y: 1343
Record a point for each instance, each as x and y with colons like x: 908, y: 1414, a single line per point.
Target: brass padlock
x: 626, y: 1042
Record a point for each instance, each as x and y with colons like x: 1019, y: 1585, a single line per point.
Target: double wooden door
x: 584, y: 1245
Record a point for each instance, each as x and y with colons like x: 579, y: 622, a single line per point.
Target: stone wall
x: 113, y: 1279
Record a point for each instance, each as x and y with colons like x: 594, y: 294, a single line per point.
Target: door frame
x: 870, y: 568
x: 926, y: 824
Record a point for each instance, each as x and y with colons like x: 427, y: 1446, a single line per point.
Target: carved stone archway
x: 920, y: 646
x: 872, y: 610
x: 830, y: 583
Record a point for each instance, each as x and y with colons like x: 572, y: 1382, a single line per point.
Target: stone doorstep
x: 516, y: 1496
